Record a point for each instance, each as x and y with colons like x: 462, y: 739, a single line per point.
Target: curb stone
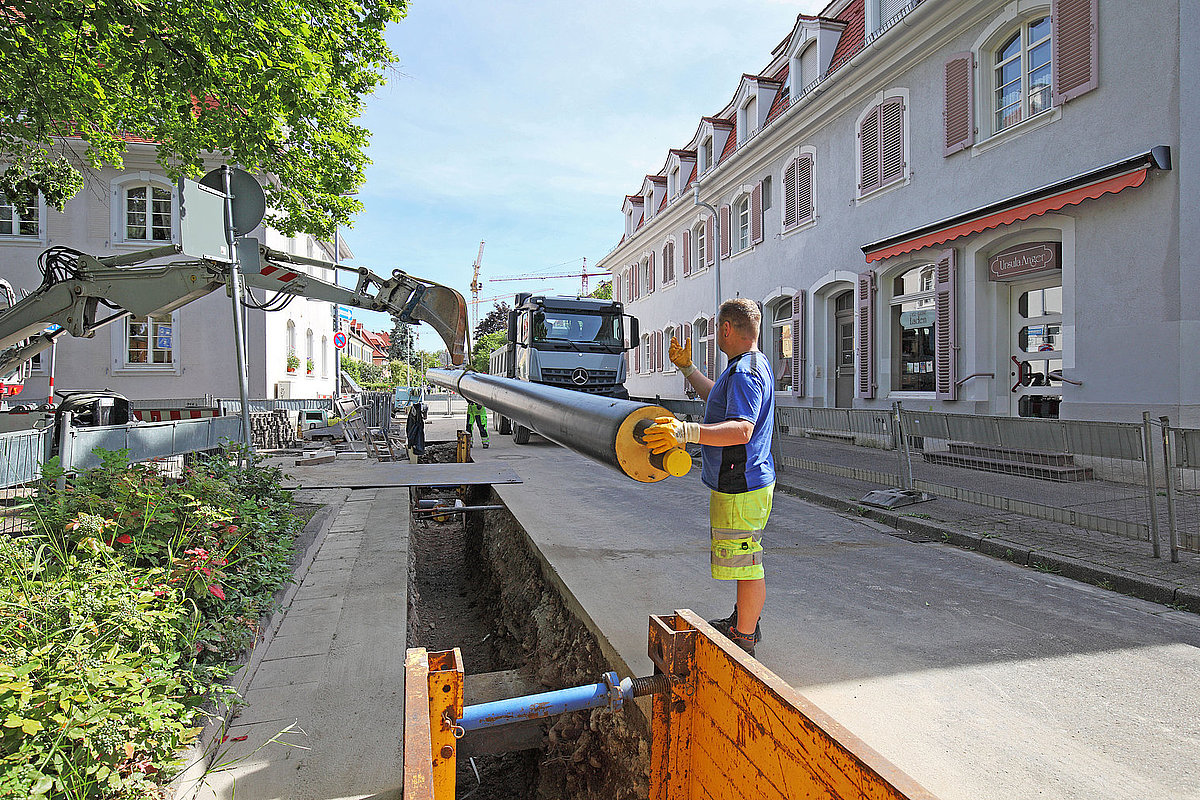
x: 1119, y: 580
x: 199, y: 754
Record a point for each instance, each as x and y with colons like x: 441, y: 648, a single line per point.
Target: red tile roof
x: 663, y: 204
x: 683, y: 153
x: 853, y: 37
x: 781, y: 101
x: 730, y: 146
x: 719, y: 122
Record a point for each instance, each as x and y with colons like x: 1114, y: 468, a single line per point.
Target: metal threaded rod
x: 651, y: 684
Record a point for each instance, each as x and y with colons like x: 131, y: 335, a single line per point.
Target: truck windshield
x: 604, y: 329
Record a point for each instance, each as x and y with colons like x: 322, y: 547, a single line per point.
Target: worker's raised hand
x: 680, y: 355
x: 668, y: 433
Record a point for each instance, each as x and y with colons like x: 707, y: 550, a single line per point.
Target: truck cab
x: 569, y: 342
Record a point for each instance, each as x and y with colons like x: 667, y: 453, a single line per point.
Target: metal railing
x: 1057, y: 477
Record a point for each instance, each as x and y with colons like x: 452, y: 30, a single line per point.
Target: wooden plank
x: 418, y: 739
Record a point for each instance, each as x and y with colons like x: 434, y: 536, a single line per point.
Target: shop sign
x: 910, y: 320
x: 1024, y: 259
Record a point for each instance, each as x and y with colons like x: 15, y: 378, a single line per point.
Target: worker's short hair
x: 742, y: 314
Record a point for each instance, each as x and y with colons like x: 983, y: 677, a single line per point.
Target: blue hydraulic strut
x: 608, y: 692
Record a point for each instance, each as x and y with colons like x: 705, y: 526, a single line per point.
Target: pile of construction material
x: 272, y: 430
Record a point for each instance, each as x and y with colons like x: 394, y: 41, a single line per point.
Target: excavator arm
x: 82, y: 294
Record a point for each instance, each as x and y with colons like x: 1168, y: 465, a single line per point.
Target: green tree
x: 403, y: 344
x: 603, y: 291
x: 496, y: 320
x: 351, y: 367
x: 371, y: 373
x: 273, y: 86
x: 484, y: 348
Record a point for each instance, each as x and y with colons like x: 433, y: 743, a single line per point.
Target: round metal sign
x: 249, y: 202
x: 339, y: 340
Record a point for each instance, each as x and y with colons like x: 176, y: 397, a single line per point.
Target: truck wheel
x: 520, y: 434
x: 505, y: 426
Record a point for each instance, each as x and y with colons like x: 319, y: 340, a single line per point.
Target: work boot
x: 485, y: 444
x: 746, y: 641
x: 730, y: 624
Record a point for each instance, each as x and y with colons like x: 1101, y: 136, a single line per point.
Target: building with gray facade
x: 975, y: 206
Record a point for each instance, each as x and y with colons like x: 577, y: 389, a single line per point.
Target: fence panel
x: 1184, y: 490
x: 150, y: 441
x: 22, y: 454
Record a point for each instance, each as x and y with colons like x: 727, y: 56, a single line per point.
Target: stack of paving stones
x: 272, y: 430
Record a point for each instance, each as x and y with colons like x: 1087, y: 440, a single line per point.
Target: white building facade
x: 973, y: 207
x: 185, y: 354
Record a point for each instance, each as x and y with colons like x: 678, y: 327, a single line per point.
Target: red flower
x: 125, y: 538
x: 206, y: 572
x: 216, y: 591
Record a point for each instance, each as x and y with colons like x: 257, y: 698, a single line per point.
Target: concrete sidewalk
x: 982, y: 679
x: 325, y: 694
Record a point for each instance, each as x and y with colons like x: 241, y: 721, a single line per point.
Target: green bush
x: 121, y: 612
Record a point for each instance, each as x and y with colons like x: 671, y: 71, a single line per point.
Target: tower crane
x: 534, y: 276
x: 476, y: 286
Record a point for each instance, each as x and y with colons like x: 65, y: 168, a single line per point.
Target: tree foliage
x: 484, y: 347
x: 402, y: 345
x: 272, y: 86
x: 496, y: 320
x: 603, y: 291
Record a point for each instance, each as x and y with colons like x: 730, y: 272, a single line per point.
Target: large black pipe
x: 602, y: 428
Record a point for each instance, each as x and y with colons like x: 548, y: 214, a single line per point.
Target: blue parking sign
x: 164, y: 337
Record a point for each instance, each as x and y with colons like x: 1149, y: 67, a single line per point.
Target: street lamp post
x: 716, y: 245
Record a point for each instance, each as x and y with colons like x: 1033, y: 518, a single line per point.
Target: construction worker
x: 738, y: 469
x: 477, y: 414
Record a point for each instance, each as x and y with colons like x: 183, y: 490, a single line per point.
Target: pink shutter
x: 799, y: 342
x: 650, y: 274
x: 658, y: 360
x: 756, y: 214
x: 724, y: 233
x: 616, y: 288
x: 891, y: 141
x: 1073, y: 23
x: 868, y: 152
x: 709, y: 250
x: 945, y: 335
x: 789, y: 195
x: 804, y: 209
x: 637, y: 281
x: 957, y: 123
x: 666, y: 264
x: 685, y: 340
x: 711, y: 360
x: 687, y: 253
x: 637, y: 358
x: 865, y: 303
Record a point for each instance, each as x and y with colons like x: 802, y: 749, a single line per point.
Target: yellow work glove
x: 668, y: 433
x: 681, y: 355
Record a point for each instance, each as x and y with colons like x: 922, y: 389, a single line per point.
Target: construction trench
x: 475, y: 583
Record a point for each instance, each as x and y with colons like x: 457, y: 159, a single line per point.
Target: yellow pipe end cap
x: 677, y: 462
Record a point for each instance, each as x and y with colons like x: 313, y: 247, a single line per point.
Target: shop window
x: 913, y: 326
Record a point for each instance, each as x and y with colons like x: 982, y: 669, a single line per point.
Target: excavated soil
x: 477, y: 585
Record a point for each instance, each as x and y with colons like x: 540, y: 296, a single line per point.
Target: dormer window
x: 706, y: 154
x: 673, y: 183
x: 747, y: 119
x: 805, y: 68
x: 649, y: 203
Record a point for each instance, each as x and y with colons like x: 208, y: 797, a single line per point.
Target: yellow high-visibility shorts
x: 737, y: 521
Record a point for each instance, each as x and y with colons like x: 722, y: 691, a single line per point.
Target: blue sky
x: 524, y: 124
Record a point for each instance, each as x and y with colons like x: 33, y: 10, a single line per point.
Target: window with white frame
x: 706, y: 154
x: 881, y: 147
x: 291, y: 339
x: 673, y: 182
x: 741, y: 223
x: 798, y: 191
x: 150, y: 342
x: 645, y: 365
x: 747, y: 119
x: 324, y: 357
x: 1021, y: 74
x: 668, y: 264
x: 148, y: 213
x: 913, y: 329
x: 308, y: 352
x: 669, y: 332
x: 700, y: 345
x: 699, y: 248
x: 21, y: 220
x: 781, y: 344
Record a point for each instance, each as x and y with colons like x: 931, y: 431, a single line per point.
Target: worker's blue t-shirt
x: 745, y: 390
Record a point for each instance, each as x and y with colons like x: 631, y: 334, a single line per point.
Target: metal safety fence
x: 1013, y: 477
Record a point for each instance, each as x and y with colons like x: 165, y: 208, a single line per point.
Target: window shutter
x: 687, y: 253
x: 658, y: 359
x: 711, y: 361
x: 957, y: 123
x: 756, y: 214
x: 725, y: 234
x: 637, y: 281
x: 710, y: 251
x: 891, y: 141
x: 799, y: 342
x: 868, y: 152
x: 804, y: 209
x: 789, y: 195
x: 616, y: 288
x: 946, y: 338
x: 650, y: 274
x: 637, y: 358
x: 666, y: 264
x: 865, y: 303
x: 685, y: 341
x: 1073, y: 23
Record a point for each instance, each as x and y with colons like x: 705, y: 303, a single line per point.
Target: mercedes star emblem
x: 579, y: 377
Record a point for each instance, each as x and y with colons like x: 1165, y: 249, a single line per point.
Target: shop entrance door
x: 1035, y: 348
x: 843, y: 330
